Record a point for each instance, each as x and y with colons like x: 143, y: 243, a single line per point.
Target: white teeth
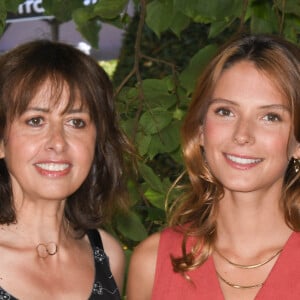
x: 53, y: 166
x: 241, y: 160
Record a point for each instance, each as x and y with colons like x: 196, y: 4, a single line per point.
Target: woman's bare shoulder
x: 149, y: 246
x: 142, y: 269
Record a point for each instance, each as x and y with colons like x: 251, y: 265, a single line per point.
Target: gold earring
x: 296, y: 163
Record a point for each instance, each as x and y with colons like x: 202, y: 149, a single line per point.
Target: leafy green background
x: 166, y: 45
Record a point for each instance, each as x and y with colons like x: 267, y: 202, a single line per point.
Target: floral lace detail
x: 99, y: 289
x: 99, y: 255
x: 4, y: 295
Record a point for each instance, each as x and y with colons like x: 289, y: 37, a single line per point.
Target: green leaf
x: 188, y: 7
x: 150, y: 177
x: 170, y: 137
x: 143, y: 142
x: 157, y: 93
x: 291, y: 6
x: 263, y: 18
x: 10, y: 5
x: 127, y: 97
x: 133, y: 192
x: 216, y: 28
x: 177, y: 156
x: 90, y: 31
x: 156, y: 214
x: 208, y: 11
x: 179, y: 23
x: 291, y: 29
x: 155, y: 120
x: 261, y: 25
x: 166, y: 141
x: 131, y: 227
x: 189, y: 76
x: 81, y: 15
x: 2, y: 16
x: 128, y: 126
x: 109, y: 9
x: 155, y: 198
x: 178, y: 114
x: 62, y: 9
x: 159, y: 15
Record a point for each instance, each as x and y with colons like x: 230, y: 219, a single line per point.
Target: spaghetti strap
x: 95, y: 238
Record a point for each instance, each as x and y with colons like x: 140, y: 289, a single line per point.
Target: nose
x: 244, y: 133
x: 56, y: 140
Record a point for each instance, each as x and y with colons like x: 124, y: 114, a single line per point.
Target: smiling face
x: 49, y: 151
x: 246, y: 133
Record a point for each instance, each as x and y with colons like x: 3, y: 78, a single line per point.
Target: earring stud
x: 296, y: 163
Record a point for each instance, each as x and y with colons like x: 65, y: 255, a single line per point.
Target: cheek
x: 212, y: 132
x: 86, y: 150
x: 277, y: 143
x: 87, y: 142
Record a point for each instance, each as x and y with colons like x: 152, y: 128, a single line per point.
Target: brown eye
x: 77, y: 123
x: 271, y: 117
x: 35, y: 122
x: 223, y: 112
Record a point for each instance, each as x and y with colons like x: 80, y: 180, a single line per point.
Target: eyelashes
x: 35, y: 122
x: 225, y: 112
x: 77, y: 123
x: 270, y: 117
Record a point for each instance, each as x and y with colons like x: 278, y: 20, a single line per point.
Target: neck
x: 35, y: 233
x: 246, y: 223
x: 41, y: 221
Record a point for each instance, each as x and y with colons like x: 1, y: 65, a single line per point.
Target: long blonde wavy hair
x: 195, y: 212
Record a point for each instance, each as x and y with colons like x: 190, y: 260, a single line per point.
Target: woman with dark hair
x: 234, y: 233
x: 61, y: 175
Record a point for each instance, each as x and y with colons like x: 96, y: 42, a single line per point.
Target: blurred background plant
x: 166, y: 45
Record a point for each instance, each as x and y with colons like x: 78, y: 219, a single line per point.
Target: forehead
x: 56, y: 95
x: 245, y: 83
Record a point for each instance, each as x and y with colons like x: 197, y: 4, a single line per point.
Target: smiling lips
x: 242, y: 162
x: 53, y: 169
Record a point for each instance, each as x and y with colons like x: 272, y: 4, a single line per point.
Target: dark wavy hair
x: 23, y: 71
x: 195, y: 213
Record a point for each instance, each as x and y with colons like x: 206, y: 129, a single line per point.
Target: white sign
x: 33, y: 9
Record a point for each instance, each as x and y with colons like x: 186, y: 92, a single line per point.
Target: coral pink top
x: 282, y: 283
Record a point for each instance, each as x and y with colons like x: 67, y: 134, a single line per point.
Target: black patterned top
x: 104, y: 287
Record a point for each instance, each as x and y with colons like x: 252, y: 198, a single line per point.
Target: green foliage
x: 61, y: 9
x: 88, y: 18
x: 109, y: 66
x: 167, y: 44
x: 154, y: 100
x: 5, y: 7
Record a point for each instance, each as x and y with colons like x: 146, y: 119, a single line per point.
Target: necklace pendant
x: 44, y: 250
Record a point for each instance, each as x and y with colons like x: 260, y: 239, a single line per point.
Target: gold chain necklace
x: 248, y: 266
x: 238, y: 286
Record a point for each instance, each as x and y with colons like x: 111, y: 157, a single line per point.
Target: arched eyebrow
x: 47, y: 110
x: 263, y: 107
x: 221, y: 100
x: 37, y: 108
x: 276, y: 106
